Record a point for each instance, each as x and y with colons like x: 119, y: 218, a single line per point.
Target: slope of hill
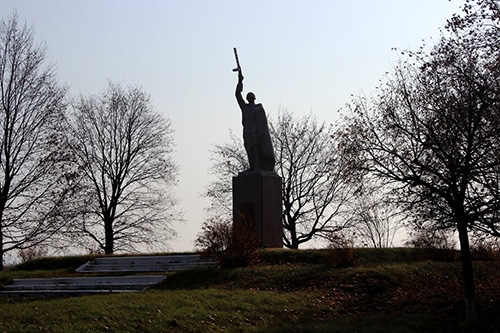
x: 286, y: 291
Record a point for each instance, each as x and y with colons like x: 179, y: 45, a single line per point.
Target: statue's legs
x: 256, y: 158
x: 247, y: 142
x: 252, y: 146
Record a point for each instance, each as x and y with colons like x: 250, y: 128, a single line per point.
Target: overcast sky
x: 305, y: 56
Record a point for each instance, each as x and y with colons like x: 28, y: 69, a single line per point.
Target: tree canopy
x: 432, y: 133
x: 123, y: 149
x: 35, y: 175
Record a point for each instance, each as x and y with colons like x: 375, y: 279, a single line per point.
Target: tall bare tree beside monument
x: 228, y: 159
x: 316, y: 179
x: 34, y: 174
x: 124, y: 150
x: 433, y: 132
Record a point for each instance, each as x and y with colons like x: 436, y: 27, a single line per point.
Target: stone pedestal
x: 257, y: 200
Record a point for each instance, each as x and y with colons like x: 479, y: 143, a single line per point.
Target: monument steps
x: 80, y: 285
x: 88, y: 285
x: 145, y: 264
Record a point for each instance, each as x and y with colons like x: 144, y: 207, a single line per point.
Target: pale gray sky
x: 301, y: 55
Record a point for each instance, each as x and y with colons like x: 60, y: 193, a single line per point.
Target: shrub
x: 438, y: 244
x: 32, y: 253
x: 431, y: 239
x: 341, y: 251
x: 485, y: 249
x: 229, y: 245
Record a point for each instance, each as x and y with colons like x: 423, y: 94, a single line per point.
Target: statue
x: 256, y: 136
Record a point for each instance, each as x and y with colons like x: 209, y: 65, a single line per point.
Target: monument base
x: 257, y: 200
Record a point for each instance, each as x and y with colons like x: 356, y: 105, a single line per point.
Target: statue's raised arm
x: 239, y: 86
x: 239, y: 89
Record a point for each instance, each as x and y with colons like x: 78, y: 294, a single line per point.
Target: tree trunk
x: 294, y: 242
x: 2, y: 210
x: 108, y: 234
x: 2, y: 252
x: 468, y: 272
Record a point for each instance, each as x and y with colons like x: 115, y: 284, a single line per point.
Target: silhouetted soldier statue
x: 256, y: 136
x: 257, y: 191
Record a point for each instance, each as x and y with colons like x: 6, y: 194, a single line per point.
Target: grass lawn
x: 390, y: 290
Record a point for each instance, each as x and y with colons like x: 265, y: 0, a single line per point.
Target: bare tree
x: 228, y: 159
x: 315, y: 180
x: 374, y: 219
x: 123, y: 148
x: 34, y: 180
x: 433, y: 132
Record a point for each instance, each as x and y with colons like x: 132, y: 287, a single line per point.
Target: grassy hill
x: 396, y: 290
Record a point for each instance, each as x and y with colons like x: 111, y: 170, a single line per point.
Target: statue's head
x: 251, y: 97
